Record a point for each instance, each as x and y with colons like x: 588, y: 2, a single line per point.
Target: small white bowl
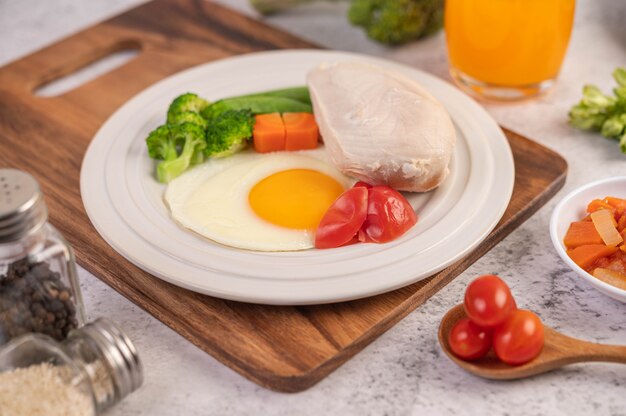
x: 573, y: 208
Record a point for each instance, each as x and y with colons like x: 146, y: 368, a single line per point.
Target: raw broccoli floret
x: 178, y: 146
x: 188, y: 102
x: 188, y: 117
x: 228, y: 133
x: 397, y: 21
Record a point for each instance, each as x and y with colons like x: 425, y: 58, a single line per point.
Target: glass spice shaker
x: 92, y: 370
x: 39, y: 290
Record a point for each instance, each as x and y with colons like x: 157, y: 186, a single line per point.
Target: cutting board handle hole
x: 81, y: 71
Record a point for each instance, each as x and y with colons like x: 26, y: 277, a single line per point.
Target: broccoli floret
x: 184, y: 103
x: 178, y: 146
x: 397, y: 21
x: 161, y: 144
x: 188, y: 117
x: 228, y: 133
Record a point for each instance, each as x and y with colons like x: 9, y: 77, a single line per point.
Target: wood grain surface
x: 282, y: 348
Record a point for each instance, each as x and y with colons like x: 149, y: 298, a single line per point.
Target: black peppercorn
x: 33, y: 298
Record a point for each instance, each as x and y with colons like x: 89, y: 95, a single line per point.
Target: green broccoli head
x: 188, y: 117
x: 228, y: 133
x: 188, y: 102
x: 178, y: 146
x: 161, y: 144
x: 214, y: 110
x: 397, y: 21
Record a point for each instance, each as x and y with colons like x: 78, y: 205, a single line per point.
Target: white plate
x: 573, y: 208
x: 124, y: 201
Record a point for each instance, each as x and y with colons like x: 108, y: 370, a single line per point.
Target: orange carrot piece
x: 621, y: 223
x: 581, y: 233
x: 617, y: 203
x: 268, y: 134
x: 302, y: 132
x: 598, y: 204
x: 586, y: 255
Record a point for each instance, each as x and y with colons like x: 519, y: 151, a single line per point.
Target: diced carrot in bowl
x: 618, y: 203
x: 581, y: 233
x: 585, y: 256
x: 598, y: 204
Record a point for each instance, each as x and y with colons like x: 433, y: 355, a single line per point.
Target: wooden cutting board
x: 282, y: 348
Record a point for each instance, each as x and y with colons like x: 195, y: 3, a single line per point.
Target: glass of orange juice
x: 507, y: 49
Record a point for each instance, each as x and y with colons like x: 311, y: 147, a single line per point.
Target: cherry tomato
x: 343, y: 219
x: 469, y: 341
x: 488, y: 301
x: 389, y: 215
x: 520, y: 338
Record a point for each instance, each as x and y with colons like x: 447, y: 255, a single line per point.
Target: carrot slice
x: 586, y: 255
x: 301, y: 131
x: 581, y: 233
x: 268, y: 134
x: 598, y: 204
x: 605, y: 224
x: 618, y: 203
x: 621, y: 223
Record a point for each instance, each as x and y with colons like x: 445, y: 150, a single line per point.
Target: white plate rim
x: 308, y: 293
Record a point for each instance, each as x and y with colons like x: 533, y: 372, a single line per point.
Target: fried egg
x: 265, y: 202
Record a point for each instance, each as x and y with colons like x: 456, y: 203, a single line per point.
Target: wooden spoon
x: 558, y: 350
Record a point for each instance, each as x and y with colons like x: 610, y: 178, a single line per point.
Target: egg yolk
x: 296, y: 198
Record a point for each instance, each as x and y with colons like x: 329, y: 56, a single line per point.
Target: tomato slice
x: 488, y: 300
x: 468, y: 340
x: 520, y: 338
x: 364, y: 184
x: 343, y: 219
x: 389, y: 215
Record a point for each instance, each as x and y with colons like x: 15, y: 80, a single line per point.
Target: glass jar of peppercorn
x: 39, y: 291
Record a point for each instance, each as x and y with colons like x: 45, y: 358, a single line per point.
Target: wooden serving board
x: 282, y: 348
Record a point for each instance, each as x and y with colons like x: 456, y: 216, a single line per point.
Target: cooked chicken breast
x: 381, y: 127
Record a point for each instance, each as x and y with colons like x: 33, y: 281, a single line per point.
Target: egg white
x: 212, y: 199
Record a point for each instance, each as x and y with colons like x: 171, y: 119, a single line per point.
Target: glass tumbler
x: 507, y: 49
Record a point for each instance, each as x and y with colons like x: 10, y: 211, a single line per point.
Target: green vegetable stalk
x: 387, y: 21
x: 603, y: 113
x: 178, y: 146
x: 197, y: 129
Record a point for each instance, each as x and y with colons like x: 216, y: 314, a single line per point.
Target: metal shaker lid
x: 22, y: 207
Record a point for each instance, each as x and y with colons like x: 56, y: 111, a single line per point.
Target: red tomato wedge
x: 364, y: 184
x: 343, y: 219
x: 389, y: 215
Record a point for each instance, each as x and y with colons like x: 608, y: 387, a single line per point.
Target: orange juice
x: 508, y: 43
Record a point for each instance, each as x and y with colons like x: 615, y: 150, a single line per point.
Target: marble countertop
x: 404, y: 371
